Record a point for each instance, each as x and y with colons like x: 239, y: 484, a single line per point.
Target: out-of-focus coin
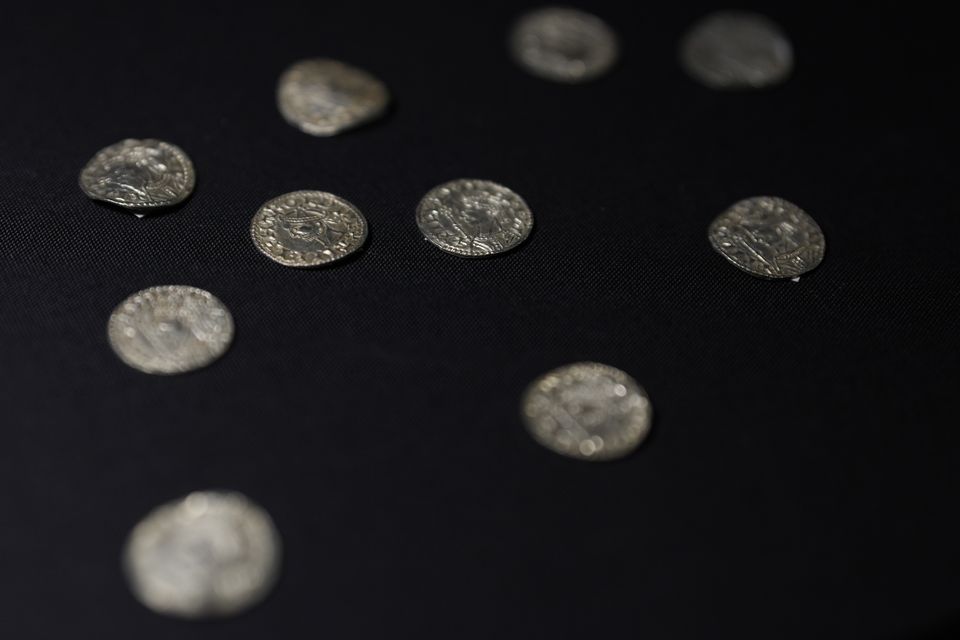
x: 210, y: 554
x: 768, y: 237
x: 139, y: 174
x: 170, y: 329
x: 588, y: 411
x: 563, y: 45
x: 474, y: 217
x: 323, y: 97
x: 308, y: 228
x: 736, y: 50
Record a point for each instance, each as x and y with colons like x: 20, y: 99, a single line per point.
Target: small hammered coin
x: 768, y: 237
x: 474, y: 217
x: 139, y: 174
x: 323, y: 97
x: 563, y: 45
x: 308, y: 228
x: 588, y: 411
x: 736, y: 50
x: 210, y: 554
x: 170, y: 329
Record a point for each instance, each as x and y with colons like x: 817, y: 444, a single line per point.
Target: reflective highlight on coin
x: 308, y: 228
x: 768, y: 237
x: 736, y: 50
x: 323, y: 97
x: 210, y: 554
x: 139, y: 174
x: 563, y: 45
x: 170, y: 329
x: 588, y: 411
x: 474, y: 217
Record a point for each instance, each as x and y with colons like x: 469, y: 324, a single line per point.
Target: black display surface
x: 801, y: 479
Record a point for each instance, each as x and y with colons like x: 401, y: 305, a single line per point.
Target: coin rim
x: 189, y: 171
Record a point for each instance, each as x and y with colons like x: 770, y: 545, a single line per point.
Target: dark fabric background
x: 801, y: 480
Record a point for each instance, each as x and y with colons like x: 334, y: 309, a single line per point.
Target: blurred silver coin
x: 563, y: 45
x: 736, y: 50
x: 768, y: 237
x: 308, y: 228
x: 588, y: 411
x: 170, y: 329
x: 474, y: 217
x: 324, y: 97
x: 210, y: 554
x: 139, y: 174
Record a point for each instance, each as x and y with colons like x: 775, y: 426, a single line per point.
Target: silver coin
x: 768, y: 237
x: 588, y: 411
x: 474, y: 217
x: 563, y: 45
x: 210, y: 554
x: 170, y: 329
x: 323, y: 97
x: 308, y: 228
x: 139, y: 174
x: 736, y: 50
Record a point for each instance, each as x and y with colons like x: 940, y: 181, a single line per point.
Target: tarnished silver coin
x: 474, y: 217
x: 563, y: 45
x: 170, y: 329
x: 323, y: 97
x: 308, y: 228
x: 139, y: 174
x: 768, y: 237
x: 736, y: 50
x: 210, y: 554
x: 588, y: 411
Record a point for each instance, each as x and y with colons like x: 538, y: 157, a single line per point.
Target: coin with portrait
x: 563, y: 45
x: 139, y: 175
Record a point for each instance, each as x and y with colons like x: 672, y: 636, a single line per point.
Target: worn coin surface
x: 563, y: 45
x: 474, y: 217
x: 139, y: 174
x: 736, y: 50
x: 210, y: 554
x: 588, y: 411
x: 768, y: 237
x: 324, y: 97
x: 170, y: 329
x: 308, y: 228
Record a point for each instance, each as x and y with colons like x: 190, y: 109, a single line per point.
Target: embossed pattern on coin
x: 474, y: 217
x: 139, y: 174
x: 588, y: 411
x: 308, y: 228
x: 768, y: 237
x: 563, y: 45
x: 323, y: 97
x: 170, y: 329
x: 210, y: 554
x: 736, y: 50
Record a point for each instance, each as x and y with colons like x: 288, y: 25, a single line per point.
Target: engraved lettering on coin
x: 474, y: 217
x: 736, y: 50
x: 323, y: 97
x: 768, y: 237
x: 563, y: 45
x: 170, y: 329
x: 588, y: 411
x: 210, y: 554
x: 139, y: 174
x: 308, y: 228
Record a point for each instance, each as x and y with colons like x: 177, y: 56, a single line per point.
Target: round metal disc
x: 563, y: 45
x: 210, y: 554
x: 768, y: 237
x: 139, y: 174
x: 323, y: 97
x: 588, y: 411
x: 474, y: 217
x: 308, y: 228
x: 170, y: 329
